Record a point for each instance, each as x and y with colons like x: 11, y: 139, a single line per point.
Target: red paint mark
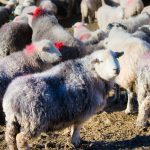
x: 38, y: 11
x: 30, y: 49
x: 59, y: 45
x: 85, y: 37
x: 129, y: 2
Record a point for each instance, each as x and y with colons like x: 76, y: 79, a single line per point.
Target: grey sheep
x: 46, y: 26
x: 143, y: 33
x: 15, y: 35
x: 66, y: 95
x: 120, y: 40
x: 34, y: 58
x: 143, y: 90
x: 133, y: 23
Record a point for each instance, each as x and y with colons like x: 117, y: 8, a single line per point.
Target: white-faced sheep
x: 46, y: 26
x: 133, y: 23
x: 107, y: 14
x: 15, y: 35
x: 119, y: 39
x: 146, y: 9
x: 34, y: 58
x: 131, y: 7
x: 143, y: 33
x: 82, y: 33
x: 45, y: 4
x: 143, y: 90
x: 66, y: 95
x: 88, y: 9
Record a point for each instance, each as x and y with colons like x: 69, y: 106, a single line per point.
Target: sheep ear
x: 118, y: 54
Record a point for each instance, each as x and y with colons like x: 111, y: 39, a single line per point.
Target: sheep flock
x: 64, y: 85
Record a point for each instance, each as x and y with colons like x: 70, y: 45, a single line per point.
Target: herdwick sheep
x: 131, y: 7
x: 88, y: 9
x: 34, y: 58
x: 46, y: 26
x: 146, y: 9
x: 107, y: 14
x: 143, y: 90
x: 134, y: 23
x: 66, y: 95
x: 143, y: 33
x: 15, y: 35
x: 82, y: 33
x: 119, y: 39
x: 45, y: 4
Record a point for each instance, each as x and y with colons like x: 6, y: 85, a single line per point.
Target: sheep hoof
x: 128, y: 111
x: 76, y: 142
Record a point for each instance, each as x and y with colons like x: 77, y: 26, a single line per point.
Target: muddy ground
x: 111, y: 130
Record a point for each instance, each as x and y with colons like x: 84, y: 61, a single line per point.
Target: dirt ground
x: 111, y: 130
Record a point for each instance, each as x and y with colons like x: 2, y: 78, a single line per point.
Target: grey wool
x: 14, y: 37
x: 66, y: 95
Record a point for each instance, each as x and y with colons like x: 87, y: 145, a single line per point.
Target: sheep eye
x: 98, y: 61
x: 46, y: 49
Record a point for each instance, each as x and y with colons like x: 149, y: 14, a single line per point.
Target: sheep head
x: 106, y: 63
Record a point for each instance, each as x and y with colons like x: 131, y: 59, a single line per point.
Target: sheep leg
x: 144, y: 110
x: 22, y: 141
x: 75, y: 135
x: 130, y: 107
x: 10, y: 136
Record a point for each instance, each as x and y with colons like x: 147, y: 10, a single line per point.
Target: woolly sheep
x: 82, y: 33
x: 66, y: 95
x: 15, y: 36
x: 134, y: 23
x: 88, y: 9
x: 143, y: 33
x: 45, y: 4
x: 131, y: 7
x: 119, y: 39
x: 107, y: 14
x: 146, y: 9
x: 46, y: 26
x: 34, y: 58
x: 143, y: 90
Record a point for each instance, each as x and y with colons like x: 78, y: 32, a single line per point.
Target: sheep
x: 146, y: 9
x: 5, y: 12
x: 134, y: 23
x: 66, y: 95
x: 107, y: 14
x: 143, y: 90
x: 82, y: 33
x: 131, y: 7
x: 45, y: 4
x: 119, y: 39
x: 143, y: 33
x: 88, y: 9
x: 36, y: 57
x: 46, y: 26
x: 15, y: 36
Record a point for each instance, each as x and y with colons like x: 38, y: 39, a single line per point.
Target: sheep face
x: 106, y: 64
x: 117, y: 25
x: 47, y: 52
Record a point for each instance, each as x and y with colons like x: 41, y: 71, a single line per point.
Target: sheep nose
x: 117, y: 71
